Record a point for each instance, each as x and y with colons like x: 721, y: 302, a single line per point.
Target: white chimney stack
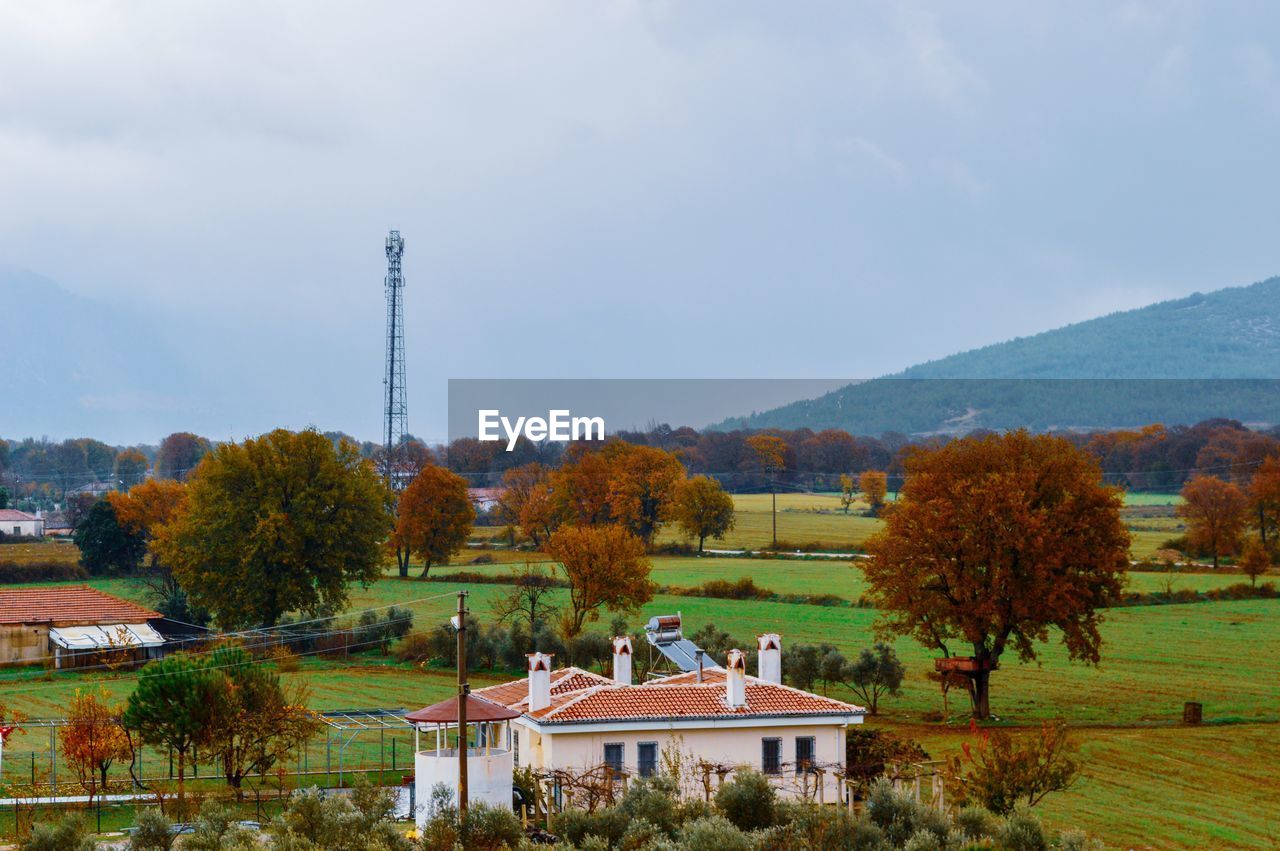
x: 539, y: 681
x: 622, y: 660
x: 736, y: 680
x: 769, y: 646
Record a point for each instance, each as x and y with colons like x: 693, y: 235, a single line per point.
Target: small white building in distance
x: 575, y: 720
x: 21, y: 524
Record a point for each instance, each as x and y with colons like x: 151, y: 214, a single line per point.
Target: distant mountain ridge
x: 70, y: 360
x: 1230, y: 333
x: 1179, y: 361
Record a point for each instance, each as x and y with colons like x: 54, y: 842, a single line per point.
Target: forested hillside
x: 1174, y: 362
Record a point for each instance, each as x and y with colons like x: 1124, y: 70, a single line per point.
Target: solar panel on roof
x: 664, y: 633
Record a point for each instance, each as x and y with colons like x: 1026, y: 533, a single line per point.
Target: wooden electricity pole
x: 463, y: 690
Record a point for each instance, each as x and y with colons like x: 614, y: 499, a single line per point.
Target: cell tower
x: 397, y: 411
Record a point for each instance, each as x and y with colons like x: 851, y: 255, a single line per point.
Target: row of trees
x: 222, y: 704
x: 39, y: 470
x: 1220, y: 514
x: 1155, y: 458
x: 639, y: 488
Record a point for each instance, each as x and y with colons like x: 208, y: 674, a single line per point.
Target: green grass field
x: 1150, y: 781
x: 59, y: 551
x: 818, y: 521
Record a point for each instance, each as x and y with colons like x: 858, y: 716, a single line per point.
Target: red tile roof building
x: 66, y: 605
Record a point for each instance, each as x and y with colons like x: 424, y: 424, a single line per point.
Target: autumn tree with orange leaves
x: 93, y: 739
x: 993, y: 541
x: 433, y: 520
x: 874, y: 485
x: 606, y: 568
x: 1216, y: 513
x: 643, y: 484
x: 771, y: 453
x: 1264, y: 501
x: 1255, y: 561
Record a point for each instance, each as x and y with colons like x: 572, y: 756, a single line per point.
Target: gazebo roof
x: 478, y: 709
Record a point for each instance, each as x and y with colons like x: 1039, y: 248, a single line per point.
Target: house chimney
x: 539, y: 681
x: 698, y: 654
x: 736, y: 680
x: 770, y: 656
x: 622, y: 660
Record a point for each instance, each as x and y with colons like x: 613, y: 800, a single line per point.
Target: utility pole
x: 463, y: 691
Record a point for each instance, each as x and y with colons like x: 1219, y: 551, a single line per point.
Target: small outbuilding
x: 73, y: 626
x: 20, y: 524
x: 487, y: 738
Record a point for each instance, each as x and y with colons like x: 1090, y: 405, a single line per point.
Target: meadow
x: 1150, y: 781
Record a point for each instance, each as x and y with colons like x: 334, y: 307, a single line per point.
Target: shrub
x: 1021, y: 831
x: 154, y: 832
x: 70, y: 834
x: 748, y: 801
x: 999, y: 771
x: 713, y: 833
x: 976, y: 823
x: 487, y: 828
x: 216, y: 829
x: 414, y: 647
x: 653, y: 801
x: 40, y: 571
x: 901, y: 817
x: 1078, y: 840
x: 575, y: 825
x: 801, y: 825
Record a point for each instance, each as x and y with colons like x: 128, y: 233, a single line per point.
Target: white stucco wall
x: 23, y: 528
x: 570, y: 748
x: 489, y: 778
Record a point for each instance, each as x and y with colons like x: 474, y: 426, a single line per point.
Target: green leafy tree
x: 173, y: 706
x: 106, y: 546
x: 254, y: 723
x: 703, y: 510
x: 876, y: 672
x: 279, y: 523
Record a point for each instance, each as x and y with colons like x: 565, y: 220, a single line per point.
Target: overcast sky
x: 599, y: 189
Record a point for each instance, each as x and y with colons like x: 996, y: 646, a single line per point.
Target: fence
x: 355, y: 741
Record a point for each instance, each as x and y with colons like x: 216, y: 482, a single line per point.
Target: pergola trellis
x: 347, y: 724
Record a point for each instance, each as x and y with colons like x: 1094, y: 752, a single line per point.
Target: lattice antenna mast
x: 397, y: 413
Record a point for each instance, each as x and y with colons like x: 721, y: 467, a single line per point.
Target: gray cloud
x: 600, y: 189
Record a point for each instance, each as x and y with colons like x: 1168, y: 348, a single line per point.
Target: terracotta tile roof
x: 686, y: 701
x: 579, y: 696
x: 68, y: 604
x: 563, y: 681
x: 12, y: 514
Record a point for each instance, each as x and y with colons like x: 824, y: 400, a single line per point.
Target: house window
x: 515, y: 746
x: 613, y: 757
x: 648, y: 758
x: 804, y: 753
x: 771, y: 756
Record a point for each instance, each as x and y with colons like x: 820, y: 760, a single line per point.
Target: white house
x: 719, y: 718
x: 21, y: 524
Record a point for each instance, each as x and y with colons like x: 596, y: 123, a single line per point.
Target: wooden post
x: 463, y: 688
